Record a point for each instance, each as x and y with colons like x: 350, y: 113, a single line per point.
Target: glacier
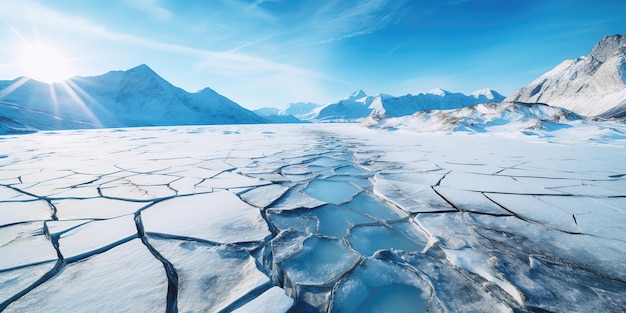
x: 466, y: 213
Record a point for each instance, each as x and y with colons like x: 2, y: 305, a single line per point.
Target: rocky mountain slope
x: 592, y: 85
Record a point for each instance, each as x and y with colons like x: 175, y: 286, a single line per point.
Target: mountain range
x: 136, y: 97
x: 360, y: 105
x: 591, y: 85
x: 301, y: 110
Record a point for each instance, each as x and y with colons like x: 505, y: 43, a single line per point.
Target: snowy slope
x: 17, y: 118
x: 486, y: 95
x: 507, y: 116
x: 136, y: 97
x: 9, y: 126
x: 510, y: 119
x: 590, y: 85
x: 352, y: 108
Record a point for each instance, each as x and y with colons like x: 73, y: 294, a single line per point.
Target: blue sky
x: 272, y: 52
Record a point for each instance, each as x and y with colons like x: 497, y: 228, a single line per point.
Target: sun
x: 45, y: 63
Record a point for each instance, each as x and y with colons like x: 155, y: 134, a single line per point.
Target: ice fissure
x: 170, y: 270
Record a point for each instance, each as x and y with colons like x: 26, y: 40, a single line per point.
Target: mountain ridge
x: 134, y: 97
x: 591, y: 85
x: 359, y: 105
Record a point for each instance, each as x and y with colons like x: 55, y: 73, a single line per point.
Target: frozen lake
x: 310, y: 218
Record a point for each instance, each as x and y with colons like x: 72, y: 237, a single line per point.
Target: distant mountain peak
x: 488, y: 94
x: 608, y: 46
x: 300, y: 110
x: 141, y: 67
x: 206, y: 91
x: 438, y: 92
x: 482, y: 91
x: 141, y: 70
x: 358, y: 95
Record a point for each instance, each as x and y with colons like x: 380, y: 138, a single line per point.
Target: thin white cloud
x: 229, y: 71
x: 338, y: 21
x: 152, y: 7
x: 225, y: 62
x: 250, y: 44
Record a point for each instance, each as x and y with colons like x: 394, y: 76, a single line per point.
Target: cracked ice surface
x: 310, y: 218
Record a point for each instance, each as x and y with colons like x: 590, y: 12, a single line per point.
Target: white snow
x: 504, y: 117
x: 410, y: 197
x: 318, y: 216
x: 14, y: 281
x: 94, y: 208
x: 296, y: 199
x: 24, y: 244
x: 487, y: 94
x: 126, y: 278
x: 96, y: 236
x: 15, y: 212
x: 263, y: 196
x: 210, y: 278
x: 299, y: 109
x: 272, y: 301
x: 216, y: 217
x: 359, y: 105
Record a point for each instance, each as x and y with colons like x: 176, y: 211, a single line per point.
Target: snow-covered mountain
x: 436, y: 99
x: 301, y: 110
x: 360, y: 105
x: 590, y: 85
x: 15, y: 118
x: 352, y: 108
x: 272, y: 115
x: 486, y: 95
x: 507, y: 116
x: 136, y: 97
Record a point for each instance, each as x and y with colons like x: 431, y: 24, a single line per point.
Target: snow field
x: 333, y: 218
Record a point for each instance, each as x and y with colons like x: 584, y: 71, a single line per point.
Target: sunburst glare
x: 45, y: 63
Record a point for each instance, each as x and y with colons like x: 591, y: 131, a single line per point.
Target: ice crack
x: 170, y: 270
